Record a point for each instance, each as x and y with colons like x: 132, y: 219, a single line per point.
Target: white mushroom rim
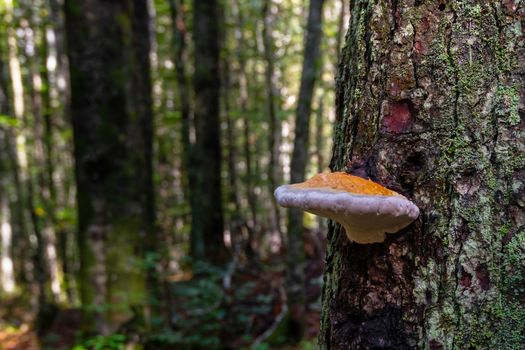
x: 365, y: 218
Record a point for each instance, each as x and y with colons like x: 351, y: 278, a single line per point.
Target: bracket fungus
x: 364, y: 208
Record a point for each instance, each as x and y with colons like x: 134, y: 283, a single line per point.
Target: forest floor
x: 22, y: 338
x: 245, y: 309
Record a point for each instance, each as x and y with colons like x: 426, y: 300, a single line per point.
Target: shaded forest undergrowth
x: 240, y: 307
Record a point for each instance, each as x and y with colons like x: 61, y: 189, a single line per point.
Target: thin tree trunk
x: 208, y: 215
x: 7, y: 272
x: 430, y: 104
x: 141, y: 34
x: 235, y: 215
x: 231, y: 138
x: 21, y: 243
x: 299, y: 161
x: 319, y: 135
x: 7, y: 262
x: 178, y: 22
x: 40, y: 189
x: 320, y: 149
x: 250, y: 247
x: 57, y: 150
x: 7, y: 278
x: 272, y: 111
x: 24, y: 181
x: 57, y: 60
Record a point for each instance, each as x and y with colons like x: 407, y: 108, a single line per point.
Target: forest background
x: 140, y: 145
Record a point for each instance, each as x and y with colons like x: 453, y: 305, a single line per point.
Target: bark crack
x: 412, y: 56
x: 450, y: 179
x: 455, y: 69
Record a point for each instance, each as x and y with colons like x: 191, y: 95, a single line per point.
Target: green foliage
x: 308, y: 345
x: 261, y: 346
x: 197, y: 323
x: 7, y: 120
x: 206, y: 315
x: 100, y: 342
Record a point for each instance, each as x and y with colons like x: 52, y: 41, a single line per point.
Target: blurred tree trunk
x: 236, y: 221
x: 20, y: 245
x: 7, y: 278
x: 340, y: 30
x: 299, y: 161
x: 178, y: 23
x: 208, y: 222
x: 112, y: 123
x: 56, y: 95
x: 272, y: 111
x: 141, y: 23
x: 320, y: 148
x: 430, y: 103
x: 250, y: 246
x: 234, y: 209
x: 17, y: 143
x: 55, y: 32
x: 7, y: 263
x: 41, y: 188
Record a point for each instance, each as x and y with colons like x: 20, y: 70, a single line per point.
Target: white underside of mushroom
x: 365, y: 218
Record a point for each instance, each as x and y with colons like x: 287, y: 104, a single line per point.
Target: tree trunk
x: 234, y: 207
x: 298, y: 164
x: 207, y: 212
x: 7, y: 278
x: 272, y: 112
x: 19, y: 159
x: 320, y: 141
x: 340, y: 31
x: 178, y: 22
x: 7, y: 252
x: 40, y: 185
x: 57, y: 149
x: 111, y: 114
x: 430, y: 103
x: 250, y: 246
x: 234, y: 200
x: 23, y: 267
x: 143, y: 109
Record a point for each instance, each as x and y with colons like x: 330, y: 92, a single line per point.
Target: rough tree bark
x: 430, y: 102
x: 111, y: 118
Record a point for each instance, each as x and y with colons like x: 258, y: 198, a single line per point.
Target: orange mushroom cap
x: 364, y: 208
